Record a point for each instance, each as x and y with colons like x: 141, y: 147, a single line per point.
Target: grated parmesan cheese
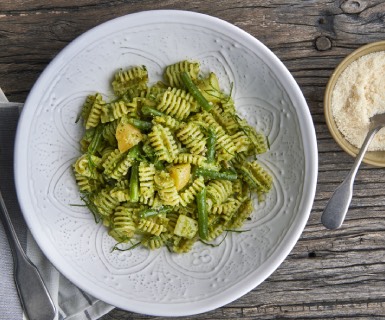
x: 358, y: 95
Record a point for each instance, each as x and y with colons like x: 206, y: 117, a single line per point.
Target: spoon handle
x: 34, y: 296
x: 337, y: 206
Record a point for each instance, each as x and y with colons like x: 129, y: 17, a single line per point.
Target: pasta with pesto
x: 171, y: 163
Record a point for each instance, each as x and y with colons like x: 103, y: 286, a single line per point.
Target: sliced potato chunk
x: 209, y: 87
x: 127, y: 136
x: 186, y: 227
x: 180, y: 174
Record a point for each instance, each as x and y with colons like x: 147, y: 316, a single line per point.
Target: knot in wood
x: 353, y: 6
x: 62, y: 30
x: 323, y: 43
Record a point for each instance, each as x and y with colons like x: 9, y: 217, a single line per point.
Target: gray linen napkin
x: 71, y: 302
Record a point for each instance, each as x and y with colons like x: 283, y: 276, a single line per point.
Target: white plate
x: 160, y: 283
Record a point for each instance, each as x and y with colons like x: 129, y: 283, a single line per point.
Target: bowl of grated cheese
x: 355, y: 92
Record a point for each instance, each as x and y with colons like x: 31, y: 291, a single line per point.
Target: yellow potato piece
x: 180, y: 174
x: 209, y: 87
x: 127, y: 136
x: 186, y: 227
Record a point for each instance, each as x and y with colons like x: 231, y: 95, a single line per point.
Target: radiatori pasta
x: 167, y: 165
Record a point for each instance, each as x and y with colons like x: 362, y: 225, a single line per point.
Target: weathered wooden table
x: 329, y: 274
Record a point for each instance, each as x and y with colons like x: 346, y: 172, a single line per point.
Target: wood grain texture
x: 329, y: 274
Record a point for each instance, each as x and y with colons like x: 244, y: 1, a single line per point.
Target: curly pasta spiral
x: 92, y: 110
x: 192, y: 137
x: 123, y: 226
x: 172, y: 72
x: 225, y: 119
x: 135, y: 77
x: 86, y: 165
x: 104, y: 202
x: 261, y: 175
x: 151, y: 227
x: 228, y: 106
x: 195, y: 159
x: 147, y: 201
x: 150, y: 94
x: 121, y: 195
x: 183, y: 245
x: 88, y: 185
x: 116, y: 164
x: 153, y: 242
x: 172, y: 219
x: 166, y: 189
x: 225, y: 147
x: 176, y: 103
x: 167, y: 121
x: 109, y: 132
x: 163, y: 143
x: 118, y: 109
x: 86, y: 140
x: 219, y: 190
x: 241, y: 141
x: 226, y: 209
x: 242, y: 214
x: 258, y: 140
x: 256, y: 176
x: 146, y: 179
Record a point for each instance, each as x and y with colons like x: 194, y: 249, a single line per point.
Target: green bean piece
x: 134, y: 182
x: 193, y: 89
x: 147, y: 111
x: 146, y: 213
x: 212, y: 174
x: 203, y: 229
x: 211, y: 141
x: 140, y: 124
x: 134, y: 152
x: 96, y: 141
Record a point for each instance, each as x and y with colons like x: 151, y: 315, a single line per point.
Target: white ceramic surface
x: 161, y: 283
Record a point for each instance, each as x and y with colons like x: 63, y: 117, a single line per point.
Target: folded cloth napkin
x: 71, y: 302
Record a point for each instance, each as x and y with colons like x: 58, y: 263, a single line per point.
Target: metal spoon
x: 335, y: 211
x: 35, y: 299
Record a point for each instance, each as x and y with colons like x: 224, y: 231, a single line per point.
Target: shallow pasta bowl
x: 158, y: 282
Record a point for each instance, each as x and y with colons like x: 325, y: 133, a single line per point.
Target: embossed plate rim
x: 308, y: 138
